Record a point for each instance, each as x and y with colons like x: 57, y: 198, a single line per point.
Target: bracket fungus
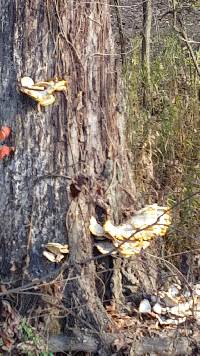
x: 42, y: 92
x: 129, y: 238
x: 55, y: 252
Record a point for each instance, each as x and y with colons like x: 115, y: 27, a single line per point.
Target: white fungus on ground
x: 157, y: 308
x: 144, y: 307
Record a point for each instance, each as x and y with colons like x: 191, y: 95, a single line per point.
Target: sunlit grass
x: 165, y: 140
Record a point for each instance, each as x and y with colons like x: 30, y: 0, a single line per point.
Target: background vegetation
x: 164, y: 138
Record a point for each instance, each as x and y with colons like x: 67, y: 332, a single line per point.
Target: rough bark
x: 57, y: 176
x: 146, y: 46
x: 70, y: 162
x: 64, y: 141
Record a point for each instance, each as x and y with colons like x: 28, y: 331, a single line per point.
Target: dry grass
x: 165, y: 139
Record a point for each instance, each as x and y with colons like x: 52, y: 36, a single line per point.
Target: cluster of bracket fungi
x: 42, y: 92
x: 55, y: 252
x: 127, y: 239
x: 136, y: 234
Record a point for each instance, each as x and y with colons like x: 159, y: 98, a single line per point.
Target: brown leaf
x: 119, y: 343
x: 111, y: 308
x: 7, y: 341
x: 7, y: 309
x: 3, y: 288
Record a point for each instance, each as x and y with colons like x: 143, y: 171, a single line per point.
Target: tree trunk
x: 68, y: 159
x: 146, y: 47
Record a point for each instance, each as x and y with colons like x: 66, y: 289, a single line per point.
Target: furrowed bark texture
x: 43, y: 39
x: 50, y: 186
x: 70, y: 159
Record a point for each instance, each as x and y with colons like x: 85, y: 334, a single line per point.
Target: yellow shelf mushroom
x: 129, y: 238
x: 42, y: 92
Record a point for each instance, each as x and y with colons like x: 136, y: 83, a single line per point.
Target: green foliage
x: 165, y: 138
x: 31, y: 342
x: 28, y: 332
